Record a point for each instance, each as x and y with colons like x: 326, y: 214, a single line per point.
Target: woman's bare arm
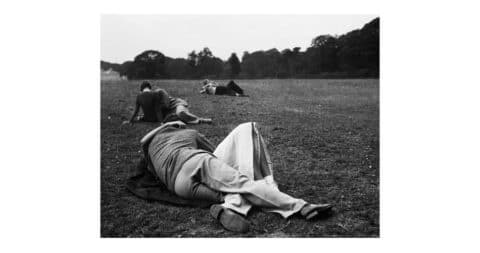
x: 135, y: 112
x: 132, y: 119
x: 152, y: 133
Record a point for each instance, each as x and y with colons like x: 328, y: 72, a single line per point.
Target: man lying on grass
x: 232, y: 177
x: 158, y: 106
x: 213, y: 88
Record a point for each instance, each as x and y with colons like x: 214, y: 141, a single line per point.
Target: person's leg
x: 232, y: 85
x: 223, y: 90
x: 219, y: 176
x: 189, y: 118
x: 259, y: 193
x: 263, y: 166
x: 244, y: 149
x: 188, y: 186
x: 236, y: 149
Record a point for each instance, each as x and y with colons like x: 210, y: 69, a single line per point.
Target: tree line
x: 354, y: 54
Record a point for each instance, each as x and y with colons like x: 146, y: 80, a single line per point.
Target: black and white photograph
x: 240, y: 125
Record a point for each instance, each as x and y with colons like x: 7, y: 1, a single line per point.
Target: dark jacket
x: 146, y: 182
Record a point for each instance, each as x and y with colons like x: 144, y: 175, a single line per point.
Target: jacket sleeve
x: 204, y: 143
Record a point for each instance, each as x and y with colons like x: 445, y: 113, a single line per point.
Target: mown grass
x: 323, y: 138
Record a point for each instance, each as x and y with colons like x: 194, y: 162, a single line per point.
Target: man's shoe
x: 311, y: 211
x: 229, y: 219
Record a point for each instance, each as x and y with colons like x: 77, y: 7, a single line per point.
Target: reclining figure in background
x: 158, y: 106
x: 213, y: 88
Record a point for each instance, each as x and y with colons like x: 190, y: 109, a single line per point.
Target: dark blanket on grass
x: 147, y: 186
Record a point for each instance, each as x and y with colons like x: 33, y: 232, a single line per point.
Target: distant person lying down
x: 233, y: 177
x: 213, y: 88
x: 158, y: 106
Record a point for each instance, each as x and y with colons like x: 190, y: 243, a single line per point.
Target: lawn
x: 322, y: 135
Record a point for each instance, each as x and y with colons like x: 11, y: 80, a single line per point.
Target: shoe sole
x: 316, y: 212
x: 229, y: 220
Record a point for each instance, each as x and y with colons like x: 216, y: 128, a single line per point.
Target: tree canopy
x: 234, y: 64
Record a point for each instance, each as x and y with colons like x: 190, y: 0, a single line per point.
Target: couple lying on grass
x: 231, y: 178
x: 159, y: 106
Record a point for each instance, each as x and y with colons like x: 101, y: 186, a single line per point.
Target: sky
x: 125, y: 36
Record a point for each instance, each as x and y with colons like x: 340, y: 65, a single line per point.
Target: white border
x: 429, y: 125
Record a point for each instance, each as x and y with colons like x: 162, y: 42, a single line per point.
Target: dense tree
x: 205, y: 53
x: 234, y: 64
x: 149, y: 64
x: 360, y: 49
x: 260, y: 64
x: 322, y: 55
x: 322, y: 40
x: 204, y: 64
x: 290, y: 63
x: 126, y: 69
x: 178, y: 68
x: 110, y: 66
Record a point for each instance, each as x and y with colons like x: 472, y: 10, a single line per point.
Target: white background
x: 50, y: 127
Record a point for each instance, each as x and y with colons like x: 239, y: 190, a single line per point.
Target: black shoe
x: 229, y: 219
x: 311, y: 211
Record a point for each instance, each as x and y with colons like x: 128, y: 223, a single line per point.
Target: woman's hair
x: 145, y: 85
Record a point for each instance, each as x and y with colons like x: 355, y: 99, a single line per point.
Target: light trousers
x: 186, y: 116
x: 241, y: 169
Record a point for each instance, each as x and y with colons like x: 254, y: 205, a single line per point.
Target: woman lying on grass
x: 238, y: 173
x: 213, y: 88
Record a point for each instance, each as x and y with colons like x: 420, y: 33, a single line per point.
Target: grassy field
x: 322, y: 135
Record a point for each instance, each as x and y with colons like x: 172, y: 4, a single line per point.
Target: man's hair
x: 145, y: 85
